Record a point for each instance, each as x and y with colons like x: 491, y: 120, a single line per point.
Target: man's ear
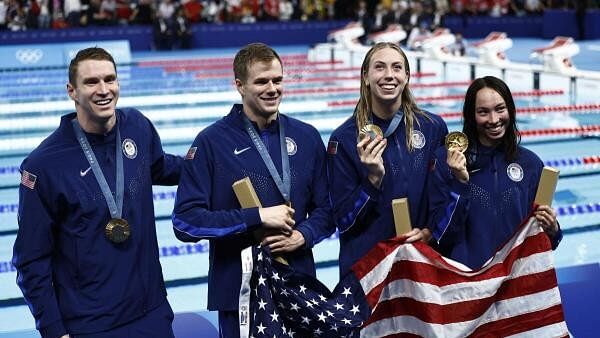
x: 239, y: 86
x: 71, y: 92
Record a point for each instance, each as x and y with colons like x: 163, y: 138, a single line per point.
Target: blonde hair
x: 363, y: 109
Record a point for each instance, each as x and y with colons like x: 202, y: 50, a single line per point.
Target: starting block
x: 492, y: 49
x: 557, y: 55
x: 393, y: 33
x: 347, y: 35
x: 437, y: 44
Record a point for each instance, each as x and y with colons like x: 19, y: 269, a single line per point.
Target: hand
x: 65, y: 336
x: 370, y: 153
x: 458, y: 164
x: 280, y: 243
x: 279, y: 217
x: 546, y: 217
x: 416, y: 234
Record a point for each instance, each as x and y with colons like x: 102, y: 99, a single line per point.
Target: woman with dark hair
x: 365, y: 175
x: 479, y: 198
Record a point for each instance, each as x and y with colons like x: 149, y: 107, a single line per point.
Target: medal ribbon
x: 393, y: 124
x: 115, y: 208
x: 284, y: 185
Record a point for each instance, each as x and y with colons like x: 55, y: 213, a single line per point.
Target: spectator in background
x: 381, y: 19
x: 163, y: 34
x: 183, y: 30
x: 499, y: 8
x: 441, y: 8
x: 560, y: 4
x: 233, y: 10
x: 3, y: 11
x: 286, y: 10
x: 517, y: 7
x: 271, y: 10
x: 93, y: 15
x: 72, y: 10
x: 58, y: 21
x: 192, y: 10
x: 212, y: 11
x: 400, y: 13
x: 459, y: 47
x: 143, y: 12
x: 123, y: 12
x: 247, y: 15
x: 109, y: 11
x: 458, y: 7
x: 33, y: 12
x: 418, y: 17
x: 363, y: 16
x: 534, y: 7
x: 417, y: 36
x: 166, y: 10
x: 16, y: 17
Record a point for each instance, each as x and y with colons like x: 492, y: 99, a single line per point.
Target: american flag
x: 412, y: 291
x: 28, y: 179
x: 286, y: 303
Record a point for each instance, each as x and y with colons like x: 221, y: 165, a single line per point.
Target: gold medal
x: 457, y: 140
x: 371, y: 130
x: 117, y: 230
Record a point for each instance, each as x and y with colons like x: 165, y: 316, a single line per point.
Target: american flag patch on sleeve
x: 191, y: 153
x: 28, y: 179
x: 332, y: 147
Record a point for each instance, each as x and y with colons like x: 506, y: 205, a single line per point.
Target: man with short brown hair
x: 285, y: 161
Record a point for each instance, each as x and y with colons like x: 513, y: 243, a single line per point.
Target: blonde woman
x: 366, y: 174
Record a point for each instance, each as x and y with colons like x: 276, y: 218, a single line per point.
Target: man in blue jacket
x: 285, y: 161
x: 86, y: 251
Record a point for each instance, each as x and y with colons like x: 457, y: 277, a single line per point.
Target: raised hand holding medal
x: 456, y: 144
x: 457, y: 140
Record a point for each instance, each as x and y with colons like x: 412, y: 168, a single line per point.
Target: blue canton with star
x: 285, y: 303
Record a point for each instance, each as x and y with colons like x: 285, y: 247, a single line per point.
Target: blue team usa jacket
x: 471, y: 221
x: 206, y: 206
x: 73, y: 278
x: 363, y: 214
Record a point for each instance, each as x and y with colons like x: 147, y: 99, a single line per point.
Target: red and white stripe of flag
x: 413, y: 291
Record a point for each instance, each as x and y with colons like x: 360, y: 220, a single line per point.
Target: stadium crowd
x: 19, y: 15
x: 172, y: 19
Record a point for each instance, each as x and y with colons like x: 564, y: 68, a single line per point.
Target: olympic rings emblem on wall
x: 29, y: 56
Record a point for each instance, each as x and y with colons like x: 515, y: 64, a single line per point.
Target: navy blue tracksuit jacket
x: 73, y: 278
x: 362, y: 213
x: 471, y: 221
x: 206, y: 206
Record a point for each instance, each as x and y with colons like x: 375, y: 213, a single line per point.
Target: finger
x: 544, y: 220
x: 378, y: 150
x: 290, y: 211
x: 289, y: 226
x: 414, y: 238
x: 266, y: 241
x: 372, y: 144
x: 365, y: 140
